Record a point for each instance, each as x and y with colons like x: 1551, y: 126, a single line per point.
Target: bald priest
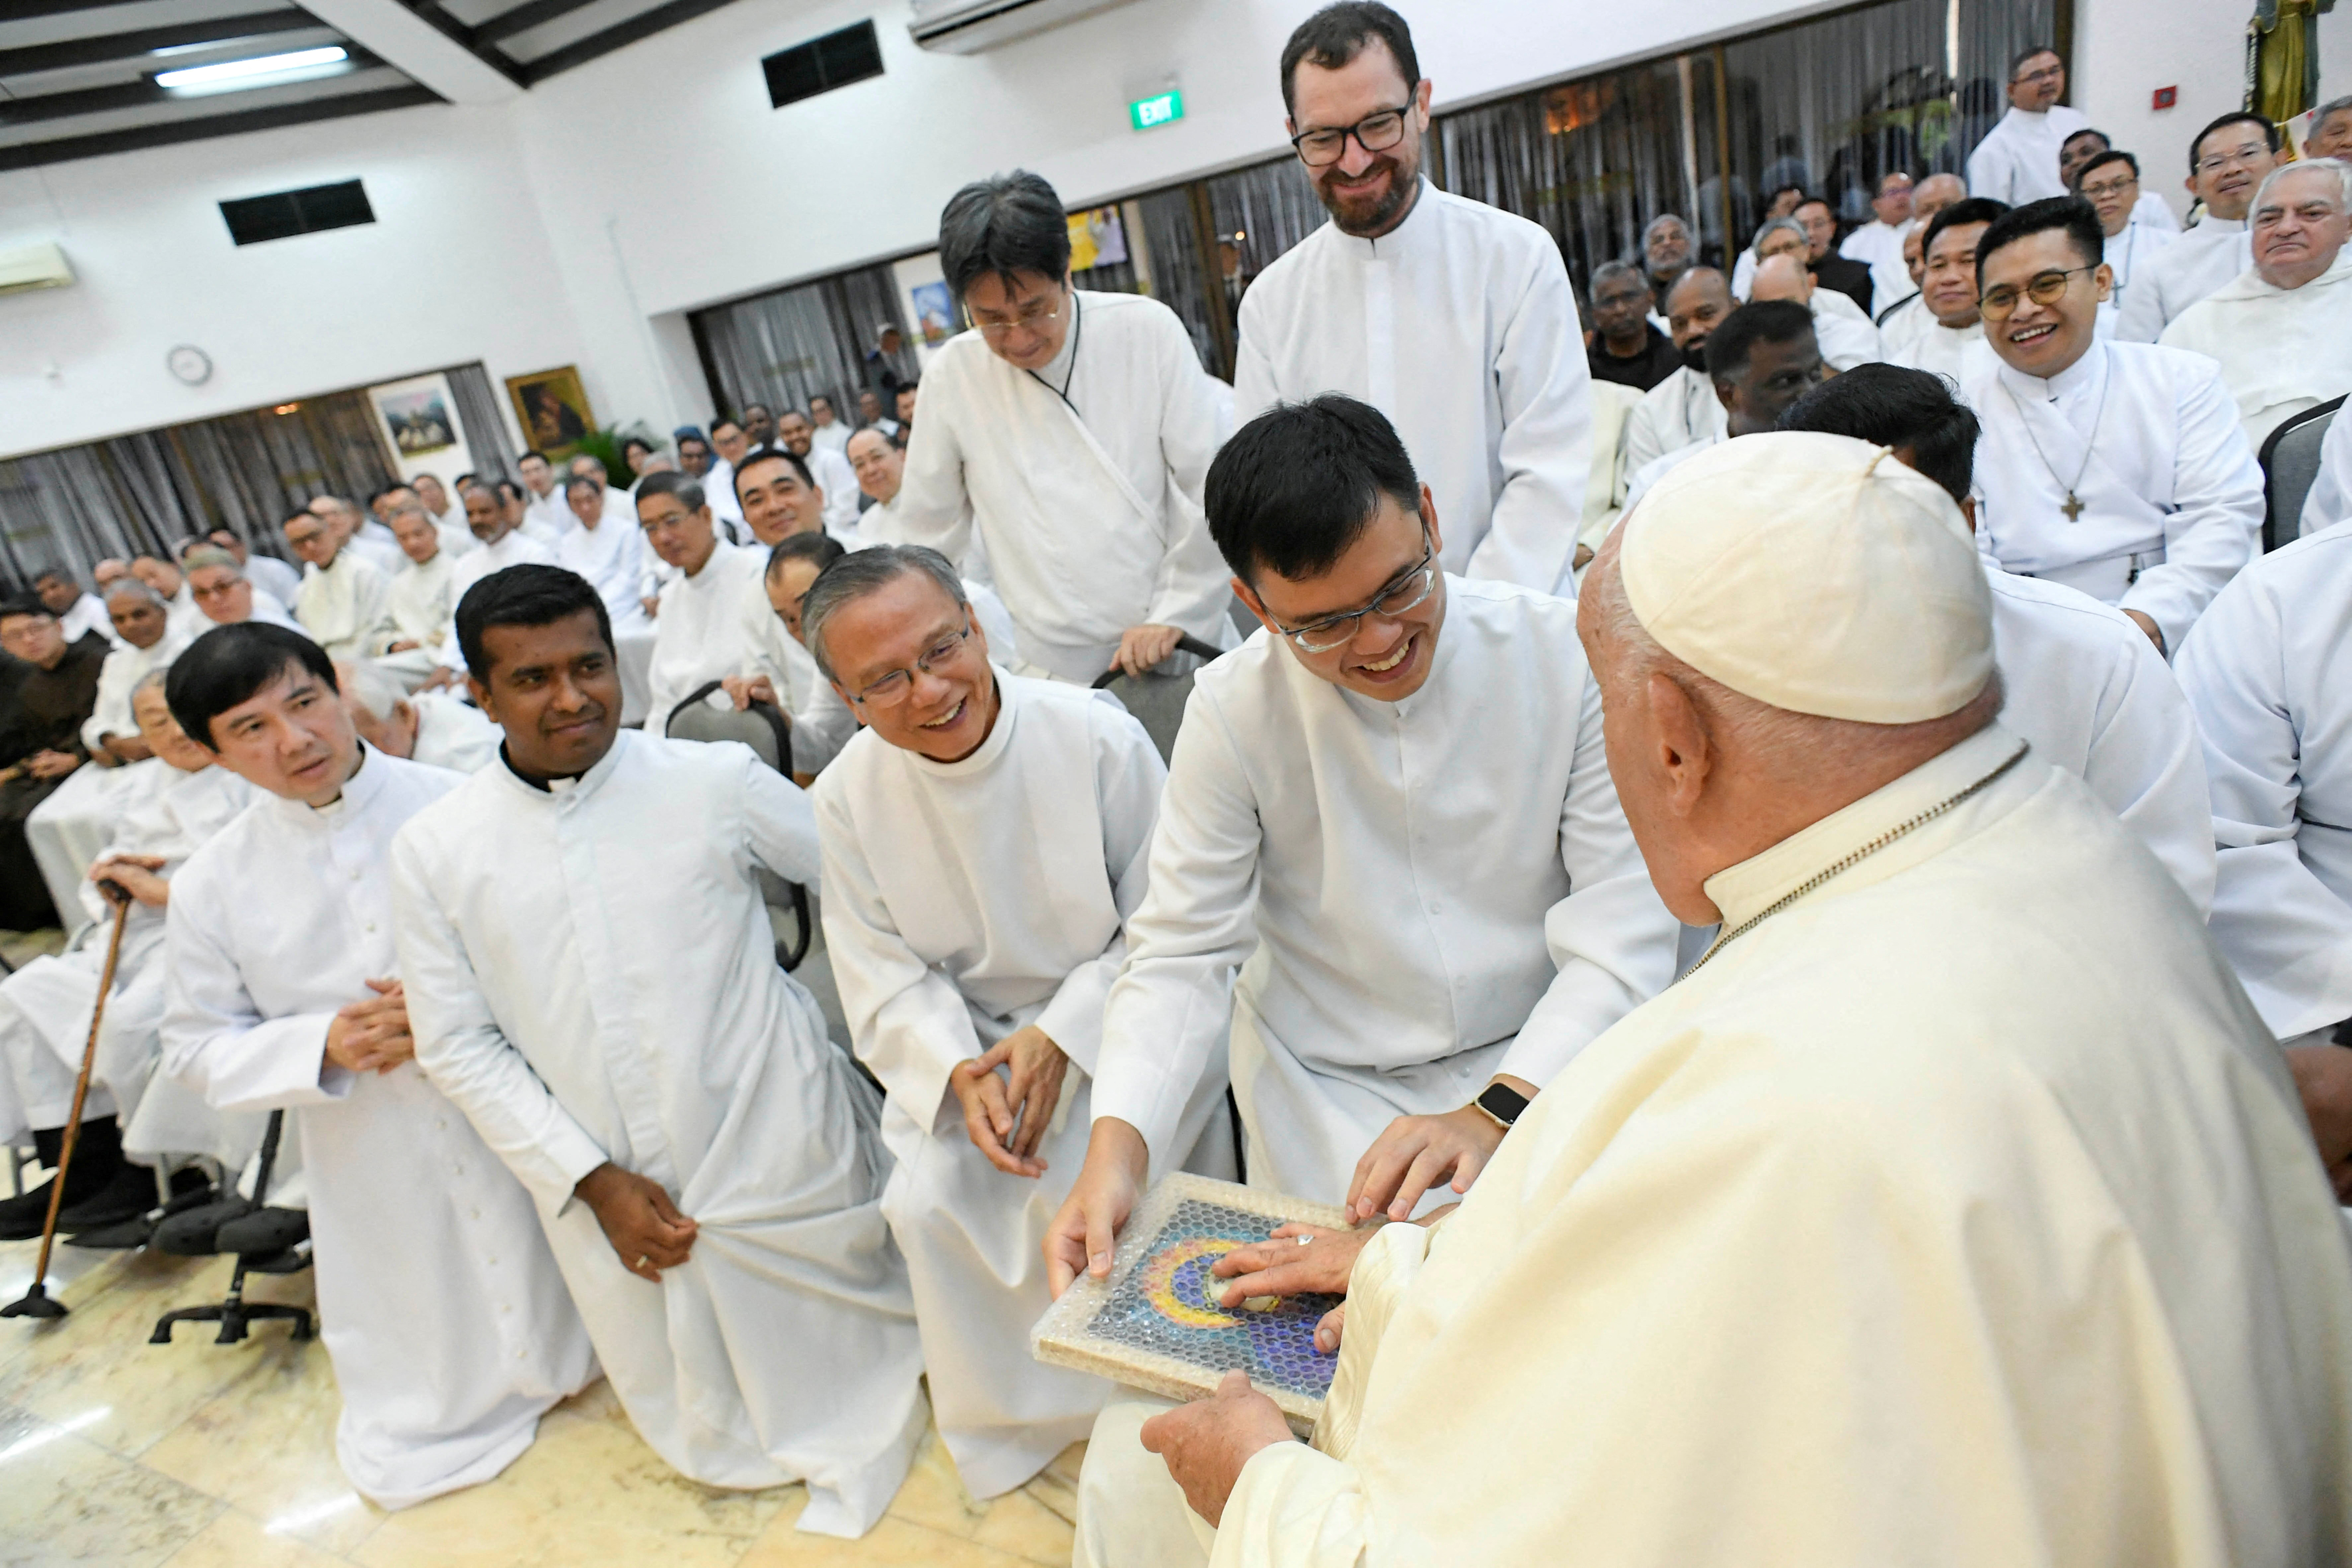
x: 1956, y: 1208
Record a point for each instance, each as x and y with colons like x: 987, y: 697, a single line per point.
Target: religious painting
x: 417, y: 416
x: 1156, y: 1323
x: 934, y: 311
x: 1097, y: 238
x: 553, y: 409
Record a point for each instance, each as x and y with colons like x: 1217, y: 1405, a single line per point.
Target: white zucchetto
x: 1815, y: 574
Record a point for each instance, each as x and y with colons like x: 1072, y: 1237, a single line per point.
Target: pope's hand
x: 1086, y: 1230
x: 1300, y: 1259
x: 648, y: 1233
x: 1207, y: 1442
x: 372, y: 1035
x: 2323, y: 1077
x: 1141, y: 647
x: 1006, y: 1116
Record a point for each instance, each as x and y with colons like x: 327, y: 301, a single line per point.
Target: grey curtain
x: 1259, y: 212
x: 494, y: 456
x: 780, y: 348
x: 1180, y: 278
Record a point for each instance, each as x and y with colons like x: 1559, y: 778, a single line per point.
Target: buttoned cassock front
x: 442, y: 1311
x: 1417, y: 895
x: 590, y: 983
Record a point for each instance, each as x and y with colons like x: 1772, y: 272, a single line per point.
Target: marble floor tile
x: 64, y: 1501
x: 588, y: 1493
x: 76, y: 1277
x: 1056, y: 1486
x: 899, y: 1543
x: 933, y: 1495
x: 238, y: 1541
x: 1019, y: 1524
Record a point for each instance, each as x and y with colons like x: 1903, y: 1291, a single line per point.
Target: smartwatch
x: 1501, y: 1103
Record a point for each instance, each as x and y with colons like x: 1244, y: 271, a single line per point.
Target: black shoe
x: 98, y: 1162
x: 193, y: 1233
x: 263, y: 1231
x: 190, y: 1188
x: 128, y: 1195
x: 21, y: 1218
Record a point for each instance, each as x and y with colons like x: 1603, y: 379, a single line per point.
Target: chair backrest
x: 1158, y: 700
x: 2290, y: 461
x: 770, y: 735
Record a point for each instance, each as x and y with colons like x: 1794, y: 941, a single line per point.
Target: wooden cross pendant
x: 2072, y: 508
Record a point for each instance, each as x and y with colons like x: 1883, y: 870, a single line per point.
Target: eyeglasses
x: 2000, y: 303
x: 1402, y: 594
x: 896, y: 687
x: 1374, y: 133
x: 2245, y: 157
x: 1033, y: 315
x: 2047, y: 73
x: 2111, y: 188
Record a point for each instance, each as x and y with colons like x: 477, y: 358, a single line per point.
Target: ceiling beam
x: 422, y: 47
x: 99, y: 145
x: 136, y: 94
x: 131, y: 46
x: 659, y: 19
x: 24, y: 10
x: 524, y: 17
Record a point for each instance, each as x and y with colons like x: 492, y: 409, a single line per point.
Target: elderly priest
x: 1839, y: 1249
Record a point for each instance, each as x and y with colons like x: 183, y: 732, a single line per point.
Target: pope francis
x: 1955, y: 1208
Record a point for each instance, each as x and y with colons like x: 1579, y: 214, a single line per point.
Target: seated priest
x: 40, y: 744
x: 224, y: 589
x: 344, y: 604
x: 420, y: 596
x: 592, y: 980
x: 428, y: 727
x: 1843, y: 1250
x: 1950, y: 324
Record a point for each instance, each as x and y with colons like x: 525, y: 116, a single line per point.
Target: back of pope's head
x: 1787, y: 622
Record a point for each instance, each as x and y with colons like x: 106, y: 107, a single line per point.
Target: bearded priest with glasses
x: 1453, y: 319
x: 1388, y: 855
x: 2115, y: 469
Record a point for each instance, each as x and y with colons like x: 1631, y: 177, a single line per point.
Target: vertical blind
x: 779, y: 349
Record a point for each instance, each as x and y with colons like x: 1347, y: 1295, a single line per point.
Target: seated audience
x: 1850, y: 278
x: 110, y: 734
x: 1667, y: 253
x: 1948, y: 291
x: 2227, y: 161
x: 604, y: 547
x: 354, y: 529
x: 828, y: 470
x: 2110, y: 182
x: 2153, y: 212
x: 79, y: 614
x: 1683, y: 409
x: 426, y: 727
x: 1625, y: 347
x: 446, y: 513
x: 1759, y: 361
x: 2331, y: 130
x: 218, y: 583
x: 420, y: 598
x: 731, y: 443
x: 170, y: 586
x: 344, y: 604
x: 545, y: 512
x: 270, y: 576
x: 495, y: 522
x: 40, y: 744
x: 694, y: 456
x: 704, y: 631
x: 827, y: 429
x: 1879, y: 244
x: 1845, y: 334
x: 903, y: 406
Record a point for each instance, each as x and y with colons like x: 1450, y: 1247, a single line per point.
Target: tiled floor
x: 118, y: 1452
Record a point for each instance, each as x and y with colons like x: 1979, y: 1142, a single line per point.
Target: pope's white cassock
x: 2016, y: 162
x: 964, y: 902
x: 2264, y: 670
x: 1417, y: 895
x: 346, y: 608
x: 1677, y: 412
x: 2171, y: 498
x: 423, y: 609
x: 443, y: 1312
x: 1460, y: 325
x: 2199, y: 261
x: 612, y: 557
x: 1088, y: 508
x: 123, y: 669
x: 589, y: 984
x: 1879, y: 245
x: 2281, y: 351
x: 515, y: 548
x: 2329, y: 500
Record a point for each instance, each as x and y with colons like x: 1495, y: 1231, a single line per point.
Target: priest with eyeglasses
x: 2116, y: 469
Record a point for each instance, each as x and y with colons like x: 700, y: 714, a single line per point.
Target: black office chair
x: 1158, y: 700
x: 2290, y: 461
x: 764, y: 728
x: 234, y: 1314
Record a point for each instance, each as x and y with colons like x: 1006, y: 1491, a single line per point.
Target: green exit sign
x: 1166, y: 109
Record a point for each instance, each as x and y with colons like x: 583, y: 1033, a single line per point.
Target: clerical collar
x: 357, y: 789
x: 2080, y: 376
x: 1381, y: 246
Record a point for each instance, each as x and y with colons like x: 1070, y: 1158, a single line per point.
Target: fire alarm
x: 2166, y: 97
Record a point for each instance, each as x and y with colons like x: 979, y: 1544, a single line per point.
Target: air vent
x: 835, y: 60
x: 285, y: 213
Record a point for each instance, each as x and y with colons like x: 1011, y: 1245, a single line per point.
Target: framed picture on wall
x: 552, y: 410
x: 934, y: 311
x: 417, y: 416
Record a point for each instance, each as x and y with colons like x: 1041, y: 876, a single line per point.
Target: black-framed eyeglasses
x: 2000, y: 303
x: 1408, y: 591
x: 1374, y: 133
x: 896, y: 687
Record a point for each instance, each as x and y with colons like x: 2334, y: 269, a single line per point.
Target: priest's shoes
x: 190, y: 1188
x: 127, y: 1194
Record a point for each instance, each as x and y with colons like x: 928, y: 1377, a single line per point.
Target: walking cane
x: 37, y: 1302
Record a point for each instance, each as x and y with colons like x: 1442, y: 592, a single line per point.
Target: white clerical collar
x: 2208, y: 224
x: 989, y: 752
x: 2076, y: 377
x: 567, y: 790
x: 1388, y: 247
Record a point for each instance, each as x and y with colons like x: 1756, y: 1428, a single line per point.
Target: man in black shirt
x: 1625, y: 347
x: 1843, y: 273
x: 40, y: 743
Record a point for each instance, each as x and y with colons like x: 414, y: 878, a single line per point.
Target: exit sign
x: 1166, y: 109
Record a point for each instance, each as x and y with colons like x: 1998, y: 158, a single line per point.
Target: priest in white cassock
x: 2110, y: 182
x: 829, y: 471
x: 2016, y: 162
x: 2329, y: 500
x: 356, y: 531
x: 428, y: 727
x: 170, y: 586
x: 345, y: 604
x: 226, y: 593
x: 2044, y: 1272
x: 2116, y: 468
x: 419, y: 598
x: 444, y: 1315
x: 703, y: 634
x: 607, y: 548
x: 1683, y: 409
x: 1843, y: 332
x: 1947, y: 293
x: 2265, y: 670
x: 1388, y: 855
x: 1453, y: 319
x: 599, y: 992
x: 984, y: 843
x: 546, y: 513
x: 1760, y: 360
x: 827, y: 428
x: 145, y: 642
x: 730, y: 446
x: 278, y: 579
x: 78, y: 613
x: 2227, y: 161
x: 1066, y: 438
x: 2283, y: 330
x: 495, y: 528
x: 2082, y: 682
x: 1898, y: 322
x: 1879, y: 244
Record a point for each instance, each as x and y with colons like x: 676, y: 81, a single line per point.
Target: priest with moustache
x: 444, y: 1316
x: 597, y: 990
x: 1842, y: 1251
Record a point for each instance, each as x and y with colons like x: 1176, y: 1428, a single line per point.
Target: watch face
x: 190, y: 363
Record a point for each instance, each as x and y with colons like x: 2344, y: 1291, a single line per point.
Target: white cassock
x: 1879, y: 247
x: 442, y: 1311
x: 378, y: 546
x: 834, y: 437
x: 2131, y: 255
x: 89, y: 615
x: 822, y: 723
x: 2199, y: 261
x: 2281, y: 351
x: 1678, y: 411
x: 1417, y: 895
x: 2016, y: 162
x: 2264, y: 671
x: 1843, y: 330
x: 1459, y: 324
x: 453, y: 735
x: 2329, y: 500
x: 2148, y: 440
x: 612, y: 556
x: 590, y: 984
x: 2046, y: 1274
x: 545, y: 517
x: 187, y: 620
x: 424, y: 606
x: 123, y: 668
x: 1640, y: 483
x: 838, y: 480
x: 1933, y: 346
x: 281, y: 580
x: 269, y: 610
x: 703, y: 631
x: 347, y: 607
x: 1901, y: 321
x: 962, y: 902
x: 719, y: 493
x: 1088, y: 510
x: 515, y: 548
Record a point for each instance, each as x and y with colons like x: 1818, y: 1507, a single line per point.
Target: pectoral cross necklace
x: 2071, y: 505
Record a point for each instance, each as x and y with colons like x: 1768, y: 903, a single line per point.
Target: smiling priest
x: 1840, y: 1250
x: 598, y: 992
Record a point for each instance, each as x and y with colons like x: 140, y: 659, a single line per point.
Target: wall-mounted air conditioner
x: 968, y: 27
x: 27, y: 267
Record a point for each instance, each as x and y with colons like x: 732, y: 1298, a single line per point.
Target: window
x: 835, y: 60
x: 286, y: 214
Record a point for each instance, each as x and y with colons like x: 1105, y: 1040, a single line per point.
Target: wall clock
x: 190, y: 363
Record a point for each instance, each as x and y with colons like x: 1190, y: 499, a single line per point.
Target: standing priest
x: 598, y: 992
x: 1453, y: 319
